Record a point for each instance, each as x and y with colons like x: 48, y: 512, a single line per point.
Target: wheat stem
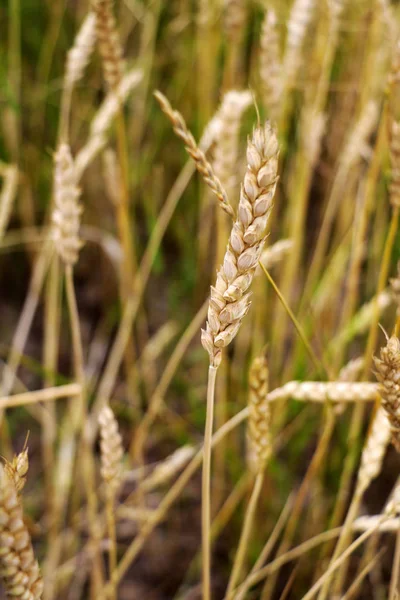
x: 206, y: 485
x: 245, y: 535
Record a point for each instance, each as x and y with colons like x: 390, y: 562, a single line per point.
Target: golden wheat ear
x: 19, y: 570
x: 388, y: 374
x: 111, y: 449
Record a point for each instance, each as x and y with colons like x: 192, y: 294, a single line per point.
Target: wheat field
x: 200, y: 308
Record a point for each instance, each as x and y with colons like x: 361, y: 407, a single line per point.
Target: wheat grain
x: 202, y: 164
x: 229, y: 299
x: 19, y: 569
x: 67, y: 211
x: 270, y: 64
x: 111, y: 449
x: 108, y: 41
x: 79, y: 55
x: 388, y: 375
x: 259, y: 422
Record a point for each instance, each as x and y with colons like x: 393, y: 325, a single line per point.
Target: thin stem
x: 112, y: 553
x: 394, y: 582
x: 206, y: 485
x: 317, y: 363
x: 245, y: 535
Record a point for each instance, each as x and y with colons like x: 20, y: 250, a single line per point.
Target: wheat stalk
x: 108, y: 41
x: 388, y: 374
x: 202, y: 164
x: 67, y: 211
x: 19, y: 570
x: 229, y: 299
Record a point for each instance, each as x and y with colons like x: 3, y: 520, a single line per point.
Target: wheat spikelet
x: 388, y: 375
x: 67, y: 211
x: 108, y: 41
x: 258, y: 425
x: 318, y: 391
x: 394, y: 153
x: 229, y: 299
x: 19, y: 571
x: 270, y: 64
x: 79, y: 55
x: 202, y: 164
x: 374, y: 450
x: 233, y: 105
x: 111, y: 449
x: 17, y: 469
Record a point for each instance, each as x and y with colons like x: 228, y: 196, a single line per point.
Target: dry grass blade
x: 19, y: 570
x: 202, y: 164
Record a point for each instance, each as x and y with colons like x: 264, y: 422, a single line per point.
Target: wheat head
x: 111, y: 449
x: 108, y: 41
x: 259, y: 421
x: 67, y: 210
x: 229, y: 299
x: 19, y: 570
x: 388, y: 374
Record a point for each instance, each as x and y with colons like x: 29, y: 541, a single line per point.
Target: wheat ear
x: 19, y: 570
x: 108, y: 41
x: 229, y: 299
x: 388, y: 375
x: 258, y: 451
x: 67, y: 211
x: 270, y: 64
x: 79, y: 55
x: 202, y: 164
x: 111, y: 472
